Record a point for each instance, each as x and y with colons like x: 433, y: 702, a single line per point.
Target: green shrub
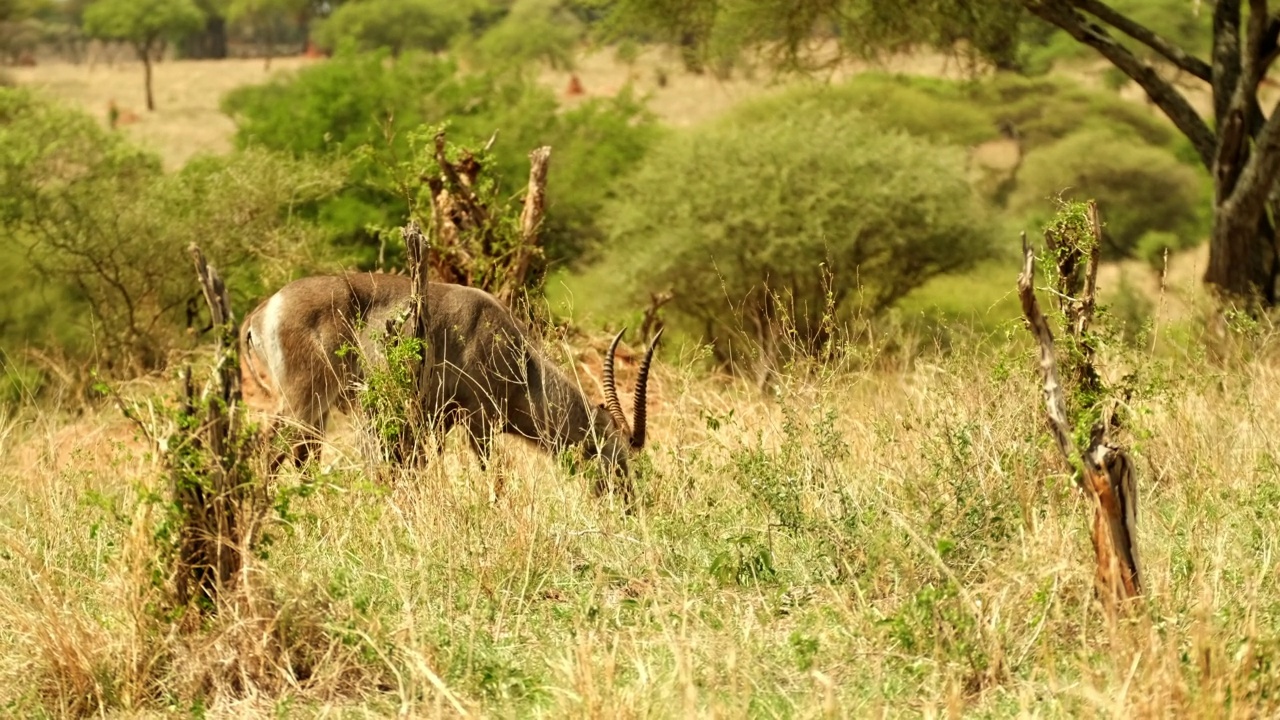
x: 106, y: 232
x: 1138, y: 188
x: 396, y: 25
x: 533, y: 31
x: 820, y: 210
x: 1175, y: 20
x: 359, y: 105
x: 1040, y: 110
x: 1044, y: 110
x: 1153, y: 245
x: 938, y: 110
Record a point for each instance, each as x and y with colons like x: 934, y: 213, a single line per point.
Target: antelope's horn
x: 610, y: 385
x: 642, y: 388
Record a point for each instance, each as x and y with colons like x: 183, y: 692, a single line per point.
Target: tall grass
x: 896, y: 541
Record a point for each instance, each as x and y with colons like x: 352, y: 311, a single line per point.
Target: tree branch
x: 1226, y: 56
x: 1055, y: 403
x: 1146, y: 36
x: 1269, y: 48
x: 1169, y: 100
x: 1262, y: 169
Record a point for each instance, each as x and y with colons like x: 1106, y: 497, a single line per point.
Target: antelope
x: 484, y: 372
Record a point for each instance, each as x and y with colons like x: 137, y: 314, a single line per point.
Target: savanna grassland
x: 885, y: 530
x: 895, y: 541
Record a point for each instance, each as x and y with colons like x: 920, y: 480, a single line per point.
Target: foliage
x: 1139, y: 189
x: 388, y: 392
x: 358, y: 105
x: 716, y: 30
x: 1153, y: 246
x: 1179, y: 22
x: 1241, y: 53
x: 1039, y: 110
x: 13, y: 10
x: 533, y: 31
x: 757, y: 218
x: 106, y: 231
x: 477, y: 238
x: 141, y: 22
x: 265, y: 14
x: 397, y: 25
x: 937, y: 110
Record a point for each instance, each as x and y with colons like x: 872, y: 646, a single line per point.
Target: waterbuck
x: 484, y: 372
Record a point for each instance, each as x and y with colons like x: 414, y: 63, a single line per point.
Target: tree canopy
x: 1238, y: 145
x: 397, y: 25
x: 142, y: 24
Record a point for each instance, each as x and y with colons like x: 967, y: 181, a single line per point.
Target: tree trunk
x: 144, y: 54
x: 1242, y: 255
x: 1242, y: 244
x: 271, y: 45
x: 146, y: 68
x: 1241, y: 150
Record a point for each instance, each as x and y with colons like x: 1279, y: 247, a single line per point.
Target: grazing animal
x: 484, y: 373
x: 117, y: 116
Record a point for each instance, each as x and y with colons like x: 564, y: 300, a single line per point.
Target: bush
x: 1045, y: 110
x: 105, y: 231
x: 396, y: 25
x: 1138, y: 188
x: 791, y: 216
x: 938, y: 110
x: 341, y: 107
x: 1153, y: 245
x: 1040, y: 110
x: 533, y: 31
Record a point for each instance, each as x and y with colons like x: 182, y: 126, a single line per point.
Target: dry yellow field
x: 187, y: 120
x: 889, y: 533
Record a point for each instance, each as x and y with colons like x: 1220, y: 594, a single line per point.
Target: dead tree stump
x: 209, y: 458
x: 1107, y: 472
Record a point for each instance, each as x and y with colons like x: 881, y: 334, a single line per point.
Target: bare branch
x: 1161, y: 92
x: 1269, y: 47
x: 1174, y: 54
x: 535, y: 202
x: 1088, y: 299
x: 1055, y: 403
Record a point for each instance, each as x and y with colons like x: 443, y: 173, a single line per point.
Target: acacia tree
x: 143, y: 24
x: 398, y: 25
x: 1239, y: 145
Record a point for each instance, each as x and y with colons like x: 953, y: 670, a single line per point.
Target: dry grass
x: 187, y: 120
x: 896, y: 542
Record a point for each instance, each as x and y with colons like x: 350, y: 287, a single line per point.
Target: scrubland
x: 871, y: 538
x: 887, y: 532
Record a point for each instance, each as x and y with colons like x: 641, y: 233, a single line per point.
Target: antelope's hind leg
x: 480, y: 436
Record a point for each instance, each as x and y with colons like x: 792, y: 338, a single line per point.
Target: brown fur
x: 485, y: 374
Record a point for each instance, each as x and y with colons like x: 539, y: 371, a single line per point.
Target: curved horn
x: 642, y: 388
x: 610, y: 385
